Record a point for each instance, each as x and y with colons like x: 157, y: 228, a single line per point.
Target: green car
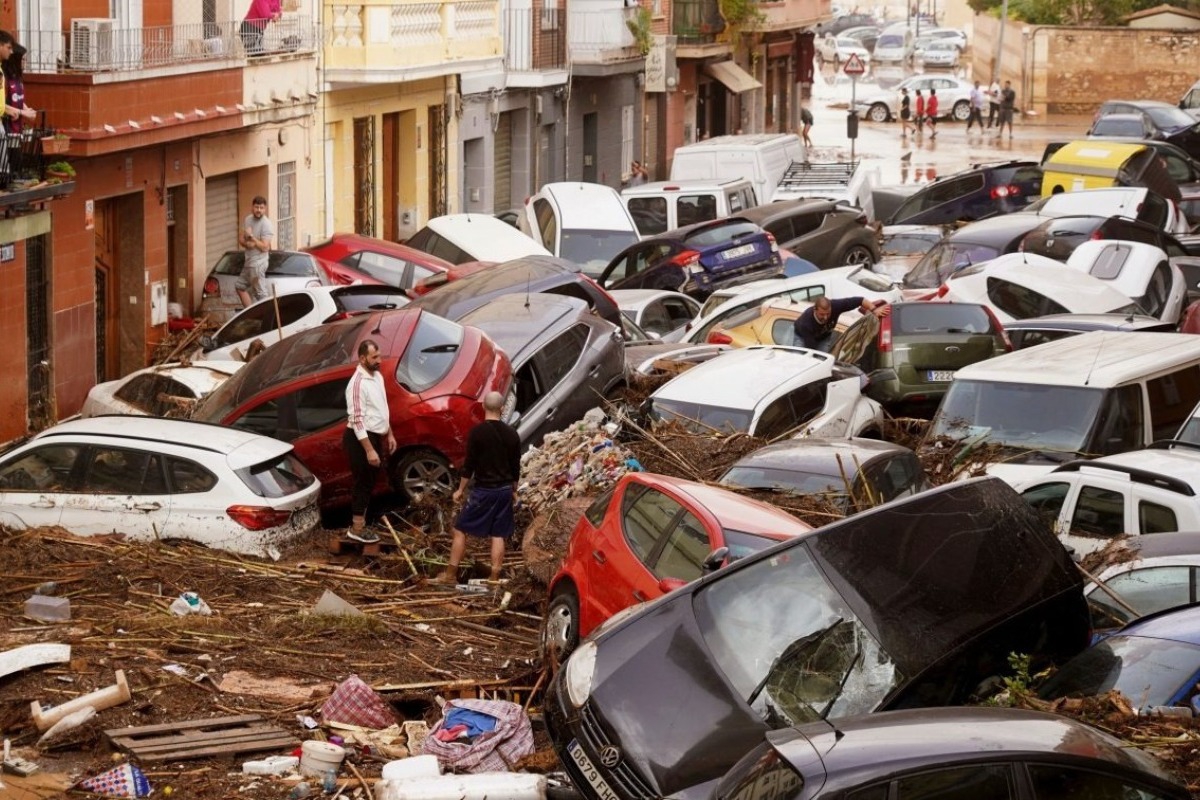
x: 911, y: 355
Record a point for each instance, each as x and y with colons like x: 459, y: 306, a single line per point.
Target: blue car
x: 697, y: 259
x: 1155, y: 662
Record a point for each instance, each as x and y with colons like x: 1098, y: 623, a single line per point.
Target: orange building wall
x: 14, y: 387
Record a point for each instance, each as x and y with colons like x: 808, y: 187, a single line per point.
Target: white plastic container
x: 410, y: 768
x: 273, y: 765
x: 486, y: 786
x: 317, y: 758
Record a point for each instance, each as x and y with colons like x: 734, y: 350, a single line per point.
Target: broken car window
x: 46, y: 469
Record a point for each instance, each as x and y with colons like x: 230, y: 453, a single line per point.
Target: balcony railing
x: 696, y: 21
x: 23, y: 169
x: 429, y: 35
x: 599, y: 32
x: 534, y: 39
x: 101, y: 45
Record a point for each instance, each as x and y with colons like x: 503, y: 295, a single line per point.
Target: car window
x: 1047, y: 500
x: 43, y: 469
x: 853, y: 345
x: 1153, y: 209
x: 117, y: 470
x: 734, y: 201
x: 558, y: 357
x: 895, y: 477
x: 922, y: 318
x: 371, y: 301
x: 1155, y: 518
x: 970, y: 782
x: 281, y: 263
x: 432, y: 350
x: 1172, y: 398
x: 683, y: 554
x: 799, y: 406
x: 783, y: 332
x: 298, y: 412
x: 1098, y: 512
x: 1020, y: 302
x: 599, y: 508
x: 649, y: 214
x: 547, y: 224
x: 389, y: 269
x: 152, y: 393
x: 679, y: 312
x: 1158, y: 290
x: 655, y: 319
x: 260, y: 319
x: 1147, y: 590
x: 1120, y: 427
x: 719, y: 234
x: 1177, y: 166
x: 646, y: 519
x: 781, y: 229
x: 943, y: 260
x: 447, y: 250
x: 277, y: 477
x: 188, y: 477
x: 1059, y: 782
x: 690, y: 209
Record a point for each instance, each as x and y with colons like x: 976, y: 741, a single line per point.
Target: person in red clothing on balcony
x: 261, y: 12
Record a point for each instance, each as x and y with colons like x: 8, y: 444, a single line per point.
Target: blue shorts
x: 488, y: 512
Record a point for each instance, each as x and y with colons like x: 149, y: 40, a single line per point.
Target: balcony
x: 535, y: 46
x: 23, y: 178
x: 384, y: 41
x: 791, y: 14
x: 599, y: 35
x: 696, y: 22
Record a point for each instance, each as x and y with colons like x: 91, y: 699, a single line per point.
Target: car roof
x: 731, y: 509
x: 199, y: 375
x: 1097, y: 358
x: 1003, y: 227
x: 516, y: 322
x: 496, y: 237
x: 689, y: 185
x: 587, y: 206
x: 820, y: 454
x: 765, y: 212
x: 1178, y: 624
x: 1182, y: 465
x: 1087, y: 322
x: 742, y: 378
x: 532, y: 271
x: 1141, y: 256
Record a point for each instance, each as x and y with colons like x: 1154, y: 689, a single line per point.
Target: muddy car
x: 911, y: 604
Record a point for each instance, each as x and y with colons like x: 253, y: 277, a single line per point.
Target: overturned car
x: 911, y: 604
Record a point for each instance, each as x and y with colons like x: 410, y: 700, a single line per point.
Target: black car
x: 948, y: 754
x: 697, y: 259
x: 826, y: 233
x: 910, y: 604
x: 1168, y: 122
x: 1039, y: 330
x: 1058, y: 237
x: 984, y: 190
x: 528, y: 274
x: 970, y: 244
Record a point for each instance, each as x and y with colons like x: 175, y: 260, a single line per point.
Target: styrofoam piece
x: 484, y: 786
x: 412, y: 768
x: 48, y: 609
x: 274, y: 765
x: 317, y: 758
x: 72, y: 720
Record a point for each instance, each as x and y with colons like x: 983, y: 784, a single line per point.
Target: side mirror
x: 670, y: 584
x: 715, y: 560
x: 207, y: 343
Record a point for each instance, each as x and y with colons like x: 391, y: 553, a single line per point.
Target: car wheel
x: 962, y: 110
x: 422, y: 472
x: 560, y: 628
x: 857, y: 255
x: 879, y: 113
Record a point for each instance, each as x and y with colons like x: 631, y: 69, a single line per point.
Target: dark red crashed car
x: 436, y: 372
x: 352, y: 257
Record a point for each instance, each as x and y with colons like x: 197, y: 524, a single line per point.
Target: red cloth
x: 353, y: 702
x: 261, y: 10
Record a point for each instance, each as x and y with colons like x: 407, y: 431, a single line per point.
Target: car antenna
x: 528, y: 284
x: 1088, y: 378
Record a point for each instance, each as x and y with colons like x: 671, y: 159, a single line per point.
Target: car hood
x: 1017, y: 475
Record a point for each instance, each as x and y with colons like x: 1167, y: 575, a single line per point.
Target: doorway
x: 591, y: 124
x: 178, y: 266
x: 41, y: 411
x: 121, y: 297
x: 389, y: 141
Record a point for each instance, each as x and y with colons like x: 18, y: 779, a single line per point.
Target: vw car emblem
x: 952, y: 349
x: 610, y: 756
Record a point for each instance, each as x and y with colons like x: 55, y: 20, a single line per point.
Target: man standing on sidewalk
x: 993, y: 103
x: 1008, y: 103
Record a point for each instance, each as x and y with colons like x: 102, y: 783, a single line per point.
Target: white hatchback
x: 166, y: 390
x: 154, y: 479
x: 1139, y: 271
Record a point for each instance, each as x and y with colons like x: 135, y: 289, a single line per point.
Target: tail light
x: 1001, y: 192
x: 774, y: 244
x: 861, y: 219
x: 885, y: 334
x: 686, y: 259
x: 1096, y: 235
x: 258, y: 518
x: 998, y: 328
x: 719, y: 337
x: 211, y: 286
x: 942, y: 291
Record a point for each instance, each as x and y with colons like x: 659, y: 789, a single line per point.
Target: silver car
x: 286, y: 270
x: 942, y: 53
x: 954, y: 98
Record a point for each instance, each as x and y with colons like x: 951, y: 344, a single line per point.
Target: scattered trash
x: 49, y: 587
x: 274, y: 765
x: 480, y: 735
x: 356, y: 703
x: 387, y: 742
x: 332, y: 605
x: 176, y: 669
x: 69, y: 722
x: 33, y: 655
x: 581, y: 460
x: 330, y: 782
x: 307, y: 722
x: 484, y: 786
x: 196, y: 738
x: 44, y: 608
x: 300, y: 790
x: 415, y: 732
x: 317, y: 758
x: 99, y: 700
x: 14, y: 765
x: 410, y: 768
x: 125, y: 780
x: 189, y: 603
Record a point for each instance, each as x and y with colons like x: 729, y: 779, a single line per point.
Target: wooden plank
x: 175, y: 727
x: 221, y: 750
x: 152, y: 745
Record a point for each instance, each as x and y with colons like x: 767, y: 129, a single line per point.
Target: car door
x: 37, y: 482
x: 563, y: 393
x: 643, y: 267
x: 121, y: 490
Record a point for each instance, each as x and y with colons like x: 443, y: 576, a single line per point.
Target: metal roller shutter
x: 502, y: 144
x: 220, y: 217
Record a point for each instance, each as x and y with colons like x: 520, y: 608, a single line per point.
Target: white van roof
x: 746, y: 140
x: 684, y: 186
x: 1100, y: 358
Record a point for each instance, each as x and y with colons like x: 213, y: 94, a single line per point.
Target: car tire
x: 878, y: 112
x: 421, y: 472
x: 560, y: 627
x: 961, y: 111
x: 857, y: 255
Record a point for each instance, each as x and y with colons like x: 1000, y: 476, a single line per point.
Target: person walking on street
x: 993, y: 95
x: 806, y: 123
x: 1008, y: 103
x: 976, y: 115
x: 258, y: 232
x: 920, y: 118
x: 257, y: 18
x: 368, y: 438
x: 905, y: 111
x: 931, y: 112
x: 814, y: 328
x: 492, y: 469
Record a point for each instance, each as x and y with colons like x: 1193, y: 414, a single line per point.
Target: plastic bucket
x: 317, y: 758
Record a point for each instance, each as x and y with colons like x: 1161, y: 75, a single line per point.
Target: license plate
x: 939, y: 375
x: 737, y: 252
x: 305, y: 518
x: 590, y: 773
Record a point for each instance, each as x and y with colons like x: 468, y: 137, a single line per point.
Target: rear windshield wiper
x: 441, y: 348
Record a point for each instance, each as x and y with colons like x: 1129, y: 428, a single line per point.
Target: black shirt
x: 810, y: 332
x: 493, y: 454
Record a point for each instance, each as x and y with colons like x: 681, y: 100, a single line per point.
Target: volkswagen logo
x: 952, y: 349
x: 610, y: 756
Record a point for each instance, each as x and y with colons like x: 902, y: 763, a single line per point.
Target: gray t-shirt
x: 261, y: 228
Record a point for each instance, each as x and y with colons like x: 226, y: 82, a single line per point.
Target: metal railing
x: 534, y: 39
x: 102, y: 45
x: 696, y: 21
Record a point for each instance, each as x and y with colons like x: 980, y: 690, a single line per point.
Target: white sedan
x: 167, y: 390
x: 954, y: 98
x: 838, y: 49
x: 655, y: 310
x: 161, y: 479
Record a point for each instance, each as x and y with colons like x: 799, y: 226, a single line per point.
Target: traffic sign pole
x: 854, y: 67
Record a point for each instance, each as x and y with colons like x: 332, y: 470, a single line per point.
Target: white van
x: 666, y: 205
x: 585, y: 223
x: 1094, y: 394
x: 760, y: 158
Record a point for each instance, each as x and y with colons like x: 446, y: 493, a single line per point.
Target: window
x: 783, y: 332
x: 649, y: 214
x: 113, y: 470
x: 151, y: 393
x: 734, y: 199
x: 44, y: 469
x: 260, y: 319
x: 1120, y: 427
x: 1158, y: 290
x: 299, y: 412
x: 691, y: 209
x: 389, y: 269
x: 627, y: 126
x: 645, y: 518
x: 804, y: 224
x: 1153, y: 518
x: 683, y: 554
x: 547, y: 223
x: 1020, y: 302
x: 285, y: 206
x: 1153, y: 209
x: 1172, y: 398
x: 1147, y: 591
x: 188, y: 477
x: 1047, y: 500
x: 278, y: 477
x: 431, y: 351
x: 382, y: 300
x: 855, y: 344
x: 895, y: 477
x: 550, y: 15
x: 794, y: 408
x: 940, y: 318
x: 1098, y: 512
x: 599, y: 508
x: 974, y: 782
x: 556, y: 359
x: 447, y: 250
x: 1057, y: 782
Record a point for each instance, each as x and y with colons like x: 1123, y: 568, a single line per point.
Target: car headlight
x: 580, y: 669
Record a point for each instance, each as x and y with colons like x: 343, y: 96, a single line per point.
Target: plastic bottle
x: 300, y: 790
x: 331, y: 783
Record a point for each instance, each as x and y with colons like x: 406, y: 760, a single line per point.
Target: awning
x: 736, y: 79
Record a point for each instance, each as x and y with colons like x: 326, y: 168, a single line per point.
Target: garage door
x: 502, y: 191
x: 220, y: 217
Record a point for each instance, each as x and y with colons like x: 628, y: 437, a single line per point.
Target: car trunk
x: 933, y: 358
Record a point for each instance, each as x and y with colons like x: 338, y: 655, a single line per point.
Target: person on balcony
x: 260, y: 14
x: 15, y: 111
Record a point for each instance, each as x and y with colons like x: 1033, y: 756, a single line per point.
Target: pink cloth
x: 263, y: 10
x: 356, y: 703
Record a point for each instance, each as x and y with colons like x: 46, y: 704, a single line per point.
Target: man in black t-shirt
x: 814, y: 328
x: 494, y: 462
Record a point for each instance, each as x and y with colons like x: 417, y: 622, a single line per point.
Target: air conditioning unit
x: 92, y: 43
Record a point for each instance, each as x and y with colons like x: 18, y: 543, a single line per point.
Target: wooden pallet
x: 201, y: 738
x: 339, y: 544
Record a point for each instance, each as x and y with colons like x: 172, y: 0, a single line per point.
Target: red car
x: 436, y: 371
x: 427, y: 285
x: 352, y: 257
x: 647, y: 535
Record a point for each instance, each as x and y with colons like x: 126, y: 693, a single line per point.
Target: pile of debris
x: 582, y: 460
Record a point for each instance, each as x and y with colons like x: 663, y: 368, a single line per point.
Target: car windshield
x: 278, y: 477
x: 1027, y: 416
x: 742, y: 544
x: 889, y: 40
x: 907, y: 244
x: 592, y: 250
x: 431, y: 352
x: 279, y: 262
x: 924, y: 318
x: 789, y: 480
x: 699, y: 417
x: 1150, y: 672
x: 1170, y: 117
x: 943, y: 260
x: 790, y: 645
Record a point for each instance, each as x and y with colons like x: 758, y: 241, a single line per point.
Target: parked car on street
x: 584, y: 223
x: 286, y: 270
x: 1169, y: 123
x: 656, y: 534
x: 1163, y: 573
x: 952, y: 35
x: 459, y: 238
x: 767, y: 392
x: 274, y: 319
x: 954, y: 98
x: 853, y: 473
x: 165, y: 390
x: 894, y: 45
x: 658, y: 312
x: 938, y: 54
x: 984, y: 190
x: 1052, y: 327
x: 160, y: 479
x: 826, y: 233
x: 377, y: 260
x: 969, y: 245
x: 436, y: 373
x: 952, y: 753
x: 697, y: 259
x: 838, y: 49
x: 818, y: 627
x: 1139, y: 271
x: 565, y: 359
x: 1132, y: 126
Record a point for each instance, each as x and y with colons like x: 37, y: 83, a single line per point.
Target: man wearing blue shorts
x: 493, y: 468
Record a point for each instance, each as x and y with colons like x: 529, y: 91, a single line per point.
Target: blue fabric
x: 488, y: 512
x: 476, y: 721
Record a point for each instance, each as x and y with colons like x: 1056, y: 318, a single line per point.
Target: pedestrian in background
x: 905, y: 111
x: 806, y: 123
x: 993, y: 103
x: 1008, y: 103
x: 16, y: 111
x: 976, y: 115
x: 814, y: 328
x: 492, y: 470
x: 931, y: 112
x: 637, y: 174
x: 920, y: 118
x: 368, y: 438
x: 261, y: 13
x: 258, y: 232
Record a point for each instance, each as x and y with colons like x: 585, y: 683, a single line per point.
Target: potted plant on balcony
x: 55, y: 145
x: 60, y: 171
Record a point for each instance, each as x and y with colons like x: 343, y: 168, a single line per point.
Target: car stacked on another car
x: 982, y: 191
x: 827, y: 233
x: 286, y: 270
x: 165, y: 390
x: 663, y: 314
x: 459, y: 238
x: 370, y: 260
x: 1166, y: 122
x: 969, y: 245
